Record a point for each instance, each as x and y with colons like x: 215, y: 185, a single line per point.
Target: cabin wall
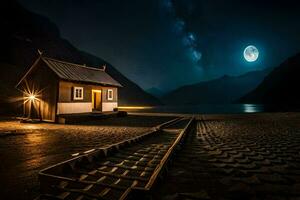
x: 42, y: 82
x: 109, y: 105
x: 67, y: 104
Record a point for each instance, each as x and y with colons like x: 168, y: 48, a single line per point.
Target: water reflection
x: 252, y: 108
x: 202, y: 109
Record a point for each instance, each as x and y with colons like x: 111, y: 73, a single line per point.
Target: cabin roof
x: 76, y: 72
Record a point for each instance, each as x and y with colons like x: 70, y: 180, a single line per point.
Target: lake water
x: 200, y: 109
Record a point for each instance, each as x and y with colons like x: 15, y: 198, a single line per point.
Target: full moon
x: 251, y: 53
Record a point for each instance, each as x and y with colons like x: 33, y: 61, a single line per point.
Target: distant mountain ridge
x: 223, y: 90
x: 23, y: 33
x: 155, y: 92
x: 280, y: 87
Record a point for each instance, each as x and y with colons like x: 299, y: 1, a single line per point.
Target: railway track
x: 126, y: 170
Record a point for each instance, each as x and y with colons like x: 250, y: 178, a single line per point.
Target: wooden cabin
x: 52, y: 87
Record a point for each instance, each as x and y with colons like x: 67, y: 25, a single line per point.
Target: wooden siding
x: 43, y: 79
x: 104, y: 94
x: 66, y: 92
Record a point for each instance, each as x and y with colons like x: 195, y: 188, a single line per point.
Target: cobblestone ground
x: 27, y: 148
x: 238, y: 157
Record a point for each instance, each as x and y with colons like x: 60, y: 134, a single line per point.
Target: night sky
x: 166, y: 44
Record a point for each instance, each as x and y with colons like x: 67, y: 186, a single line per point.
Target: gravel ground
x: 27, y: 148
x: 254, y: 156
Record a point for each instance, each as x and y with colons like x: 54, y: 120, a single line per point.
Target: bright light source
x: 251, y: 53
x: 32, y: 97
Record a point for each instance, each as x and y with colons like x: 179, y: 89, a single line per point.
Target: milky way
x: 189, y: 40
x: 170, y: 43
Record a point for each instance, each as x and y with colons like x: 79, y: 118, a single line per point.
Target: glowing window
x: 110, y: 94
x: 78, y: 93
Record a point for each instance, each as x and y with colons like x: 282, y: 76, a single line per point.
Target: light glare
x: 32, y: 97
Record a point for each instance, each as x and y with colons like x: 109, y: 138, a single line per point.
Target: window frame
x: 74, y: 93
x: 112, y: 94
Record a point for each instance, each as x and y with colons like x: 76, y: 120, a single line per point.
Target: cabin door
x: 96, y: 100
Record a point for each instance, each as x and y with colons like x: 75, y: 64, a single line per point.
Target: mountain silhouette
x: 222, y: 90
x: 280, y: 87
x: 24, y: 32
x: 155, y: 92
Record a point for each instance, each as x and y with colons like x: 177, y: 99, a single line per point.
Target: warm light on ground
x: 135, y: 107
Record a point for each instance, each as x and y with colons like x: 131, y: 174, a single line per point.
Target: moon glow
x: 251, y: 53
